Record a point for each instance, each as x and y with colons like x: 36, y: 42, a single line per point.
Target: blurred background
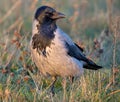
x: 93, y: 24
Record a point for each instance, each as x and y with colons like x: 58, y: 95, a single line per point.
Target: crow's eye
x: 49, y: 13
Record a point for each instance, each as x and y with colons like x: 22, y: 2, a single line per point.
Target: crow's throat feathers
x: 43, y: 36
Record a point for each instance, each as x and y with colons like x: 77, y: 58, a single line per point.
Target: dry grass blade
x: 112, y: 93
x: 17, y: 3
x: 17, y: 22
x: 9, y: 63
x: 108, y: 85
x: 109, y: 10
x: 115, y: 29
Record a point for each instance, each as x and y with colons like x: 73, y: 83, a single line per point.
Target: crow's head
x: 46, y: 14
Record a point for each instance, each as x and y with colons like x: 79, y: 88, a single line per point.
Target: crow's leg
x: 64, y: 89
x: 52, y: 85
x: 71, y: 78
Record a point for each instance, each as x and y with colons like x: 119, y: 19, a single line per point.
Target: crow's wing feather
x: 76, y: 52
x: 79, y: 47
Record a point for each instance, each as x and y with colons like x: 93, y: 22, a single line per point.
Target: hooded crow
x: 53, y: 51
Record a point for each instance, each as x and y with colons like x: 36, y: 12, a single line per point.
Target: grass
x: 85, y: 23
x: 91, y: 87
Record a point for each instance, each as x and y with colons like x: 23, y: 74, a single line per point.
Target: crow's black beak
x: 58, y: 15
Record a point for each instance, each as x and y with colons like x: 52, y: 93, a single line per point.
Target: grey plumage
x: 52, y: 50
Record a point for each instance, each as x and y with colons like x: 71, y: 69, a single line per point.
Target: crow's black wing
x: 75, y: 51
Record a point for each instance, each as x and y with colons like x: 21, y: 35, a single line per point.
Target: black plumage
x: 74, y: 52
